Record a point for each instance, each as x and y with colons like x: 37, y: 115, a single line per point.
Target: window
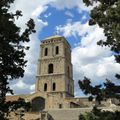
x: 60, y: 105
x: 37, y: 104
x: 57, y: 50
x: 54, y: 86
x: 50, y: 68
x: 46, y: 51
x: 45, y: 87
x: 68, y: 71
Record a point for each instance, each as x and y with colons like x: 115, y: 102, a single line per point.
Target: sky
x: 68, y: 18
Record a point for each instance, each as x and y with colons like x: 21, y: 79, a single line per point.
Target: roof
x: 52, y: 37
x: 13, y: 98
x: 55, y: 38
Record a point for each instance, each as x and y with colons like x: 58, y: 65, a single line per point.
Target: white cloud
x: 69, y: 4
x: 21, y: 87
x: 97, y: 68
x: 88, y: 58
x: 47, y: 15
x: 33, y: 10
x: 32, y: 87
x: 76, y: 28
x: 39, y: 10
x: 20, y: 84
x: 84, y: 17
x: 72, y: 29
x: 68, y: 13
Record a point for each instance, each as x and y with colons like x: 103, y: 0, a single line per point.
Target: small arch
x: 46, y: 52
x: 54, y: 86
x: 50, y: 68
x: 57, y: 50
x: 45, y: 87
x: 60, y: 106
x: 38, y: 104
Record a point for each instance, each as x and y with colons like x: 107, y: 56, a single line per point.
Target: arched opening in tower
x: 54, y: 86
x: 50, y: 68
x: 45, y: 87
x: 57, y: 50
x: 46, y: 51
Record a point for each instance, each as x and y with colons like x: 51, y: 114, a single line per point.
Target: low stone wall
x: 32, y: 116
x: 60, y: 114
x: 67, y: 114
x: 73, y: 113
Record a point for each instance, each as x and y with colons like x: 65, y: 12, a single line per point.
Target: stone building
x: 54, y: 84
x: 54, y: 90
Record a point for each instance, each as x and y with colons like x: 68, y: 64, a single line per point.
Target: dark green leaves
x: 107, y: 16
x: 12, y: 50
x: 97, y: 114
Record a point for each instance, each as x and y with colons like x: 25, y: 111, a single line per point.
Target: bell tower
x: 55, y: 72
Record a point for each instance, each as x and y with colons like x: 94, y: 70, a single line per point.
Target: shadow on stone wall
x: 50, y: 117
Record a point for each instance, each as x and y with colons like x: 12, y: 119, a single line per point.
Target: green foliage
x: 12, y: 51
x: 107, y: 15
x: 97, y: 114
x: 17, y: 107
x: 99, y: 92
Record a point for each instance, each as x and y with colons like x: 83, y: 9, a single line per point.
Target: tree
x: 97, y: 114
x: 12, y: 49
x: 17, y: 108
x: 106, y: 15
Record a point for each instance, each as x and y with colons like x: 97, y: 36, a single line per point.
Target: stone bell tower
x: 55, y: 72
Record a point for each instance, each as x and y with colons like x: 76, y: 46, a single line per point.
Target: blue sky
x: 68, y: 18
x: 61, y: 17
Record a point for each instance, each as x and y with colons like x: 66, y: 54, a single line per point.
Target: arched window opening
x: 57, y: 50
x: 68, y: 71
x: 50, y: 68
x: 60, y: 106
x: 46, y: 51
x: 45, y: 87
x: 38, y: 104
x: 54, y: 86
